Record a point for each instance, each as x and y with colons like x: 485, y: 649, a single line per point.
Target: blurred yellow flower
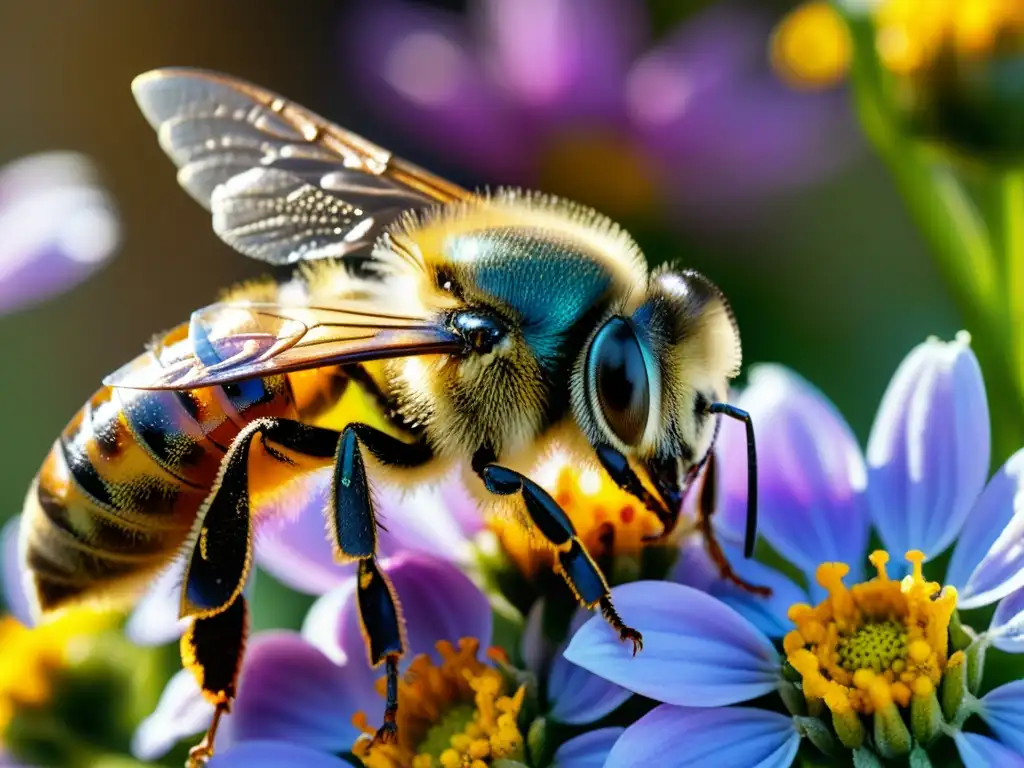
x: 810, y: 47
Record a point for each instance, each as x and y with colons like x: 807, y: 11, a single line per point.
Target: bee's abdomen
x: 119, y: 491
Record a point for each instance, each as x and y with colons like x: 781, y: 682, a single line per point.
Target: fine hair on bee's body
x: 482, y: 327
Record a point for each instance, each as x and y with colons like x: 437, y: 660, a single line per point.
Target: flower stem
x: 1012, y: 219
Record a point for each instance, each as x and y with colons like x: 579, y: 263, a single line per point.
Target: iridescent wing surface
x: 283, y: 184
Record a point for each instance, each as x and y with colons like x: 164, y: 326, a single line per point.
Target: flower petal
x: 274, y: 754
x: 154, y: 621
x: 1007, y: 627
x: 57, y: 226
x: 438, y: 601
x: 1002, y: 709
x: 727, y: 737
x: 10, y: 573
x: 928, y: 454
x: 588, y: 750
x: 988, y: 560
x: 290, y: 691
x: 811, y: 474
x: 979, y: 751
x: 419, y: 67
x: 295, y: 548
x: 561, y: 58
x: 181, y: 712
x: 697, y: 650
x: 578, y: 696
x: 769, y: 614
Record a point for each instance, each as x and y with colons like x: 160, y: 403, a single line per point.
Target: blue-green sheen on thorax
x: 549, y: 284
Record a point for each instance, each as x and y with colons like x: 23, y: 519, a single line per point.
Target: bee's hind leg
x: 353, y: 525
x: 212, y: 649
x: 574, y: 562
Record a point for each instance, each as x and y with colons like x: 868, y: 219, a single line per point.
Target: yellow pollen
x: 876, y: 643
x: 31, y: 657
x: 607, y: 519
x: 455, y: 715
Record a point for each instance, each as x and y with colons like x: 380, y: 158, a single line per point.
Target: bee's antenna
x: 740, y: 415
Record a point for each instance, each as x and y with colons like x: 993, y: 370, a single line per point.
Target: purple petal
x: 988, y: 561
x: 588, y: 750
x: 419, y: 67
x: 697, y: 650
x: 290, y: 691
x: 1003, y: 710
x: 154, y: 621
x: 727, y: 737
x: 769, y: 614
x: 579, y: 697
x: 811, y: 473
x: 274, y: 754
x: 294, y: 545
x: 979, y: 751
x: 1006, y: 630
x: 181, y: 712
x: 57, y: 226
x: 929, y: 448
x: 707, y: 107
x: 17, y: 600
x: 561, y: 58
x: 438, y: 603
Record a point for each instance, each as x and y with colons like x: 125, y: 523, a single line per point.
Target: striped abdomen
x: 118, y: 494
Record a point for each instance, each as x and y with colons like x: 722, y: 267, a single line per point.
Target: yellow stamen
x: 876, y: 643
x: 811, y: 48
x: 607, y: 519
x: 30, y: 658
x: 456, y: 715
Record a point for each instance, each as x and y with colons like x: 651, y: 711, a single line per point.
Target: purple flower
x: 923, y: 487
x: 565, y: 92
x: 306, y: 692
x: 57, y: 226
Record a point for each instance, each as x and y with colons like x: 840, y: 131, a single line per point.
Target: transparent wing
x: 234, y: 341
x: 283, y: 184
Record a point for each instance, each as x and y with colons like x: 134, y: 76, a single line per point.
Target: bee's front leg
x: 574, y: 562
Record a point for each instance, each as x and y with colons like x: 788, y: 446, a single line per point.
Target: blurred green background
x: 831, y: 280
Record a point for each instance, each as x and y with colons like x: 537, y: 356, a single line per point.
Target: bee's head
x: 646, y: 380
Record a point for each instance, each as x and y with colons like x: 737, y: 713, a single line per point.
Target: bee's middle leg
x: 574, y: 562
x: 353, y: 524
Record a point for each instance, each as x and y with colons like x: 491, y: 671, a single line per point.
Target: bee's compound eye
x: 617, y: 373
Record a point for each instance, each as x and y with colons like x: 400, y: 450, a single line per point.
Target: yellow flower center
x: 30, y: 658
x: 878, y: 642
x: 456, y: 715
x: 810, y: 47
x: 608, y: 520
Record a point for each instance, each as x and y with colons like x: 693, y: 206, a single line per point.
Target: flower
x: 317, y: 693
x: 949, y: 64
x: 563, y: 94
x: 884, y: 664
x: 57, y: 226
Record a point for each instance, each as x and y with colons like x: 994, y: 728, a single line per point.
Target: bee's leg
x: 574, y: 562
x: 353, y: 524
x: 706, y: 504
x: 213, y: 645
x: 212, y: 649
x: 667, y: 511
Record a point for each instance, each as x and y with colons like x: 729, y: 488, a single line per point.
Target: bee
x: 485, y: 326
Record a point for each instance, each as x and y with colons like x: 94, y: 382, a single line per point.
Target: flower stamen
x: 454, y: 715
x: 872, y: 647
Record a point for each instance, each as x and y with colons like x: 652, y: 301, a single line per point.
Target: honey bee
x: 485, y: 326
